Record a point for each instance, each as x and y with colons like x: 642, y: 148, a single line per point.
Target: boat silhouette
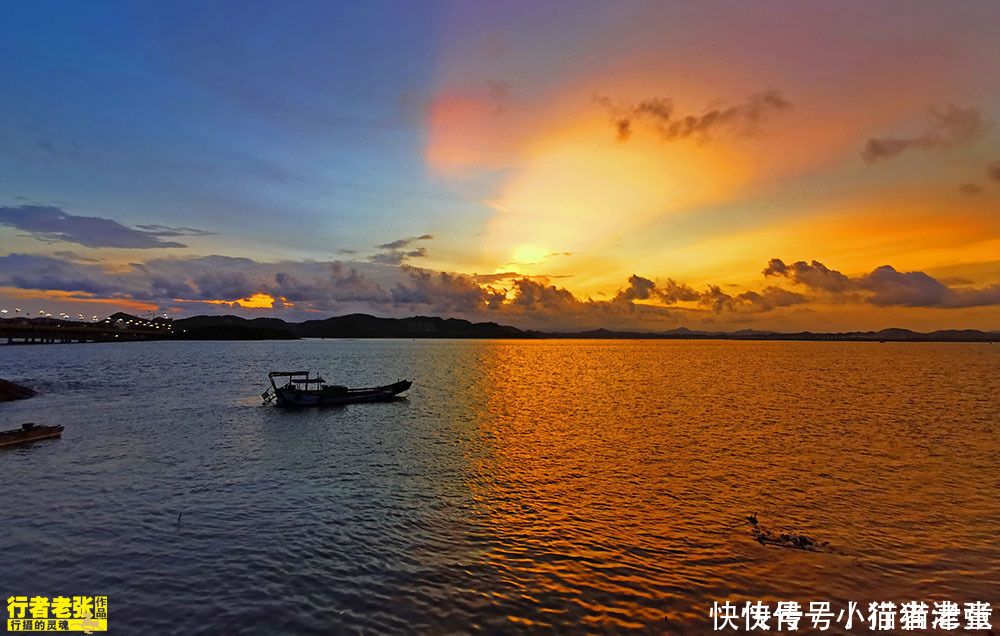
x: 29, y: 432
x: 302, y: 390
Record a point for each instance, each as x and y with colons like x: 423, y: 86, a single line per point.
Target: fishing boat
x: 29, y: 433
x: 298, y: 388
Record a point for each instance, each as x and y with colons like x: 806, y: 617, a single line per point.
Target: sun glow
x: 259, y: 300
x: 529, y: 255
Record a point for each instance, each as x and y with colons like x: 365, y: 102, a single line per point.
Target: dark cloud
x: 32, y: 271
x: 970, y: 188
x: 885, y: 286
x: 671, y: 292
x: 393, y: 257
x: 404, y: 242
x: 912, y: 289
x: 224, y: 285
x: 952, y: 126
x: 538, y: 296
x: 815, y: 275
x: 68, y: 255
x: 778, y: 297
x: 397, y: 257
x: 993, y: 171
x: 448, y: 292
x: 394, y: 252
x: 161, y: 287
x: 659, y: 114
x: 291, y: 288
x: 395, y: 245
x: 349, y: 285
x: 342, y: 285
x: 322, y: 285
x: 51, y: 224
x: 749, y: 301
x: 334, y: 287
x: 639, y: 288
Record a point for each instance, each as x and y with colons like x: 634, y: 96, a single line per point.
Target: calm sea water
x: 522, y: 486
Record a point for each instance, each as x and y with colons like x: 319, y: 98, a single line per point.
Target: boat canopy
x: 294, y: 377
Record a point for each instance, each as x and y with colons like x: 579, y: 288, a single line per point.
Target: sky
x: 555, y: 165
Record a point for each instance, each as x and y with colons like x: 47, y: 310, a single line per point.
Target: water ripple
x: 521, y: 487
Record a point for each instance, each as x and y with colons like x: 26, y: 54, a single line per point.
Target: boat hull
x: 298, y: 398
x: 28, y: 435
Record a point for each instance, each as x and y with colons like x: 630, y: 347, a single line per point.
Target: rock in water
x: 10, y: 391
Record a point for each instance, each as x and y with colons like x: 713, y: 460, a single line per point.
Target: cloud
x: 659, y: 114
x: 163, y: 230
x: 538, y: 296
x: 349, y: 285
x: 445, y: 291
x: 950, y: 127
x: 394, y: 252
x: 394, y: 245
x: 405, y: 242
x: 885, y: 286
x: 69, y: 255
x: 32, y: 271
x: 167, y: 281
x: 224, y: 285
x: 51, y: 224
x: 671, y: 292
x: 200, y: 283
x: 162, y: 287
x: 970, y: 188
x: 342, y: 285
x: 639, y: 288
x: 495, y: 278
x: 749, y: 301
x: 815, y: 275
x: 993, y: 171
x: 397, y: 257
x: 766, y: 300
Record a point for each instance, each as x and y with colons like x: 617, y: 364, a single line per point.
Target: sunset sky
x: 714, y: 165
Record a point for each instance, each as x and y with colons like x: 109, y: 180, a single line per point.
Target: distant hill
x: 232, y: 328
x: 366, y: 326
x: 350, y: 326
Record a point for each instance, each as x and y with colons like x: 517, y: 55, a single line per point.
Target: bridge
x: 36, y: 332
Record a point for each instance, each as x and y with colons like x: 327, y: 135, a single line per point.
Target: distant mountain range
x: 350, y: 326
x: 365, y: 326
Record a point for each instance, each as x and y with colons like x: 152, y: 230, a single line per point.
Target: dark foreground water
x: 554, y: 485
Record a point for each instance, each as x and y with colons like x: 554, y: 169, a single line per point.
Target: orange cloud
x: 259, y: 300
x: 56, y: 296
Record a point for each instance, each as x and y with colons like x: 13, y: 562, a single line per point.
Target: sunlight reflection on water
x: 596, y: 485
